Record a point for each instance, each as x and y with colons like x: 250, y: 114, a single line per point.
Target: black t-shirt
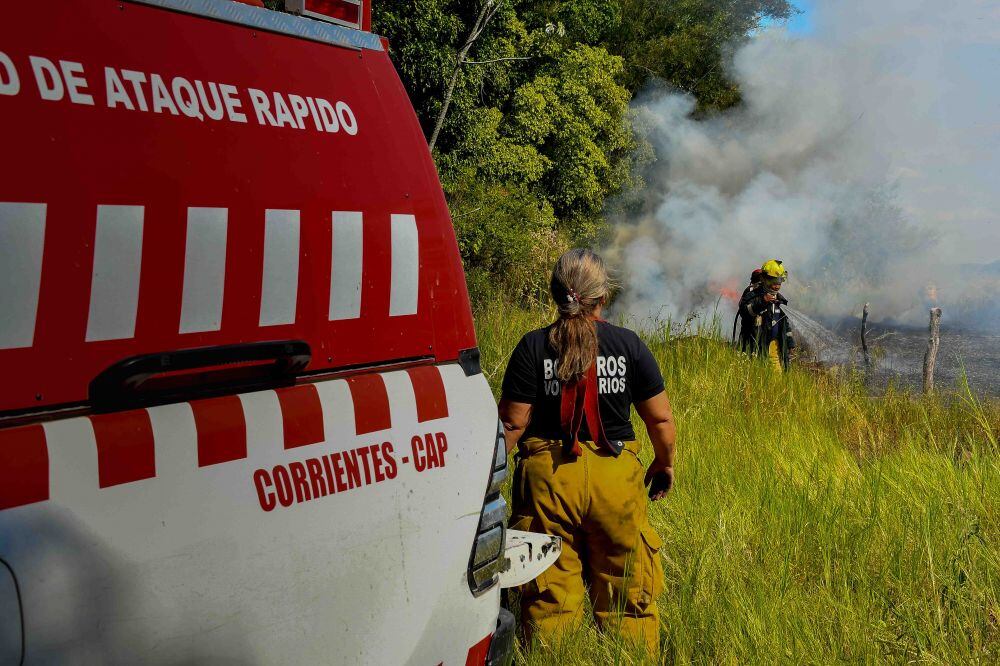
x: 627, y: 374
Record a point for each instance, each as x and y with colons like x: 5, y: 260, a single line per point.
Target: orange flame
x: 730, y: 291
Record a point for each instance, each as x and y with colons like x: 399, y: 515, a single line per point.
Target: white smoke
x: 842, y: 161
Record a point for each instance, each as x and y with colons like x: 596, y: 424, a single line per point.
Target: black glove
x: 660, y: 479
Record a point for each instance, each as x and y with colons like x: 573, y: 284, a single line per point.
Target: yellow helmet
x: 774, y: 270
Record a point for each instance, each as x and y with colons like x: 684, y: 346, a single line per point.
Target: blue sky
x: 802, y: 24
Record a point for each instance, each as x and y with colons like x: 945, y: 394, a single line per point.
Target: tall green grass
x: 811, y: 522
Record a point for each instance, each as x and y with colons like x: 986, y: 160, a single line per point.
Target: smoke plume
x: 860, y: 157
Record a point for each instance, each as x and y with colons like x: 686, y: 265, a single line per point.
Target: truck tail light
x: 487, y: 550
x: 352, y: 13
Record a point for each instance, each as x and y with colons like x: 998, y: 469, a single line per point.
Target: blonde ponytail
x: 579, y: 285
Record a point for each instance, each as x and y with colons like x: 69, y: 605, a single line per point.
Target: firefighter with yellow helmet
x: 764, y: 327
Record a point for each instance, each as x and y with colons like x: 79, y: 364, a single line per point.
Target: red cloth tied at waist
x: 579, y: 399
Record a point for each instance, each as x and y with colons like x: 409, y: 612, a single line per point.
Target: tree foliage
x: 686, y: 43
x: 538, y: 134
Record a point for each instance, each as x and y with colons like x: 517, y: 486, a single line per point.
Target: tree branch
x: 660, y: 76
x: 486, y: 15
x: 490, y: 62
x: 467, y: 212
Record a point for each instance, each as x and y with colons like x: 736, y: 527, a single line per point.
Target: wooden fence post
x: 933, y: 342
x: 864, y: 340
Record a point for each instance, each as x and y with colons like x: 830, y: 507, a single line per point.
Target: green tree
x: 425, y: 38
x: 563, y: 133
x: 538, y: 134
x: 592, y: 22
x: 687, y: 43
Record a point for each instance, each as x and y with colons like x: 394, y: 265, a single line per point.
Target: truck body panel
x: 132, y: 231
x: 193, y: 174
x: 202, y: 561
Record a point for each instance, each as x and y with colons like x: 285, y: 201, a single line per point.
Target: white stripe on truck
x: 114, y: 284
x: 345, y: 269
x: 204, y: 270
x: 262, y: 413
x: 72, y: 458
x: 22, y: 238
x: 405, y: 278
x: 117, y: 269
x: 280, y: 287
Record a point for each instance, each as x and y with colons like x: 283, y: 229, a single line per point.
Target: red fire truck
x: 242, y: 417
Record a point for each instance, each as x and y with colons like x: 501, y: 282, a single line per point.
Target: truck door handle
x: 174, y: 376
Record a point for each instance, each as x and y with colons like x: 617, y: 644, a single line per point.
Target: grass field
x: 810, y: 522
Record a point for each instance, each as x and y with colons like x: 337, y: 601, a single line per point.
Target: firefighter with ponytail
x: 567, y: 396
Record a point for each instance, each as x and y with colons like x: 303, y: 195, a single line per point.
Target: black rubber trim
x: 133, y: 382
x: 502, y: 645
x: 20, y: 609
x: 16, y: 417
x: 469, y: 360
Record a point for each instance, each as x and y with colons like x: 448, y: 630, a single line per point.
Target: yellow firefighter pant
x: 597, y: 504
x: 774, y: 356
